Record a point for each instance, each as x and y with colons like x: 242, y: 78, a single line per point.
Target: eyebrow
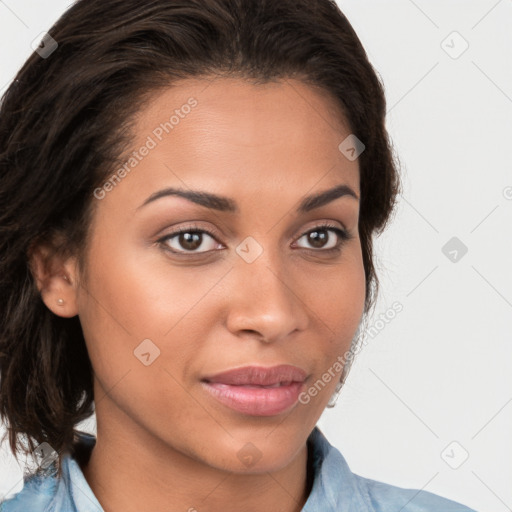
x: 226, y: 204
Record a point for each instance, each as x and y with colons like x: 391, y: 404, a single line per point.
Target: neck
x: 131, y: 470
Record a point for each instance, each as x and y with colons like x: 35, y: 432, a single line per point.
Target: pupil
x: 318, y: 238
x: 192, y: 239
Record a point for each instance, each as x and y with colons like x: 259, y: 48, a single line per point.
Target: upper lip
x: 259, y: 375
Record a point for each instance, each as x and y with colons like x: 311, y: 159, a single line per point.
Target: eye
x: 188, y: 240
x: 322, y: 239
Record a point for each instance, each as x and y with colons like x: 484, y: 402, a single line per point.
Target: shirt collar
x: 335, y: 488
x: 73, y: 486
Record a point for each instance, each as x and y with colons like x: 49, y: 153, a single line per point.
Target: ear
x: 56, y: 279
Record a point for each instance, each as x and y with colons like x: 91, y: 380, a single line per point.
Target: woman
x: 191, y: 188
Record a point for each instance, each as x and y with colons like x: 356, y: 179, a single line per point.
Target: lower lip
x: 256, y: 401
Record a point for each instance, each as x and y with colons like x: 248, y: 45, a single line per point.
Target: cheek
x: 338, y: 303
x: 133, y: 295
x: 140, y: 290
x: 337, y: 295
x: 142, y: 334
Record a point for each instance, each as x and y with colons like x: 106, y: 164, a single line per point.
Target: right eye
x: 187, y: 240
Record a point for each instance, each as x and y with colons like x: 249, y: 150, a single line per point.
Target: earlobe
x: 55, y: 278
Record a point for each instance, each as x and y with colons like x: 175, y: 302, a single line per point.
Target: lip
x: 247, y: 390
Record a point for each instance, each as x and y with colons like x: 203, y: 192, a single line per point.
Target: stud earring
x: 60, y: 302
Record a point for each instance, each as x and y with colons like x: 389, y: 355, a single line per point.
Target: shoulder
x: 385, y: 497
x: 37, y: 493
x: 44, y: 491
x: 336, y: 487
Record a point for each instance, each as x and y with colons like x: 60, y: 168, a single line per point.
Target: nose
x: 265, y: 300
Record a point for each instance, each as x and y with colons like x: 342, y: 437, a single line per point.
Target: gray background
x: 432, y: 386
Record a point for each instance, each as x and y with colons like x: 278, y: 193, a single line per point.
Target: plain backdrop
x: 428, y: 402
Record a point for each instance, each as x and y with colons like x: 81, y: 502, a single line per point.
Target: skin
x: 163, y: 443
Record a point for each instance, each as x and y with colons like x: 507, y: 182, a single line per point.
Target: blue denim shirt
x: 335, y: 488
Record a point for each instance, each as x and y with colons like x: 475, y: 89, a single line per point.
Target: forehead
x: 229, y: 135
x: 247, y: 111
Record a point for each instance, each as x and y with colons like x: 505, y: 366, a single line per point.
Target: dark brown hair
x: 64, y: 124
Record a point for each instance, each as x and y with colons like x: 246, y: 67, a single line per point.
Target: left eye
x: 321, y: 240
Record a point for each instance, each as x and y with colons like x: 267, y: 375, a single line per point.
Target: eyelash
x: 343, y: 236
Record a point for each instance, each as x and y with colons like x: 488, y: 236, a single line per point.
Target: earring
x: 335, y: 395
x: 60, y: 302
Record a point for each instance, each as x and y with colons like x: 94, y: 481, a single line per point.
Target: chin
x: 252, y: 453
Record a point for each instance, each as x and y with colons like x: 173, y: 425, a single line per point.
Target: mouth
x: 256, y: 390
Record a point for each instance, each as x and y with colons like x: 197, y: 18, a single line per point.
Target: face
x: 259, y: 277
